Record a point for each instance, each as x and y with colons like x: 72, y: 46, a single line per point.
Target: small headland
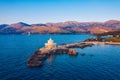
x: 109, y: 38
x: 39, y: 56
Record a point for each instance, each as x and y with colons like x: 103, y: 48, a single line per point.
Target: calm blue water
x: 15, y: 50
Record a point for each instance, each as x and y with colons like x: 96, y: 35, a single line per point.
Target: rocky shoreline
x: 39, y: 56
x: 103, y: 43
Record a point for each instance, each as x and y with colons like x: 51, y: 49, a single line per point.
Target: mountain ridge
x: 68, y: 27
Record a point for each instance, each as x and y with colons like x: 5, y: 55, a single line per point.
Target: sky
x: 44, y: 11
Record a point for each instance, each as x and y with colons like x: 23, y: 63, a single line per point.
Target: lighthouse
x: 50, y: 44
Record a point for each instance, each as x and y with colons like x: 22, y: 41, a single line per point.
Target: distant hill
x: 69, y: 27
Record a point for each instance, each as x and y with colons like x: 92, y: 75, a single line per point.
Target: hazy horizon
x: 57, y: 22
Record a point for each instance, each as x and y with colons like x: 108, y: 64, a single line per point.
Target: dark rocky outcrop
x: 40, y: 56
x: 82, y: 54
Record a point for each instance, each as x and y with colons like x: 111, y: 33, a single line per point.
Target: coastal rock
x: 42, y: 54
x: 34, y: 63
x: 72, y: 52
x: 36, y: 60
x: 82, y: 54
x: 37, y: 52
x: 60, y: 51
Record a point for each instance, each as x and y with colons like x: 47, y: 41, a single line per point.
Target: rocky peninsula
x: 39, y: 56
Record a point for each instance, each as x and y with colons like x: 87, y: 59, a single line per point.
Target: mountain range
x: 69, y: 27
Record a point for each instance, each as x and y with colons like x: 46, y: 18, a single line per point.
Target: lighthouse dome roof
x: 50, y: 41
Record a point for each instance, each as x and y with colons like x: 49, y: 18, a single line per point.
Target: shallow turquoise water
x: 15, y: 50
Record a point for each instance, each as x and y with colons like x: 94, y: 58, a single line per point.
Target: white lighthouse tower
x: 50, y: 44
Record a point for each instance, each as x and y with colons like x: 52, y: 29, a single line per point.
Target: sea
x: 104, y: 64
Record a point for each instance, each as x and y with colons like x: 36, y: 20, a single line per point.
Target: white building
x: 50, y: 44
